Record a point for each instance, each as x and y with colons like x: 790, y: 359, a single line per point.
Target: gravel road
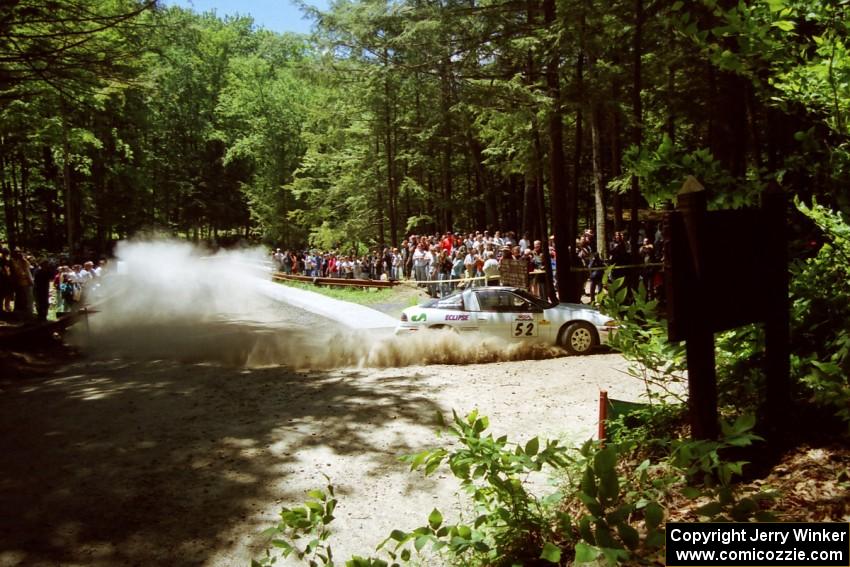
x: 182, y: 453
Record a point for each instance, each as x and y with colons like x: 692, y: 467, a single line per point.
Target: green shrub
x: 309, y: 522
x: 615, y: 503
x: 820, y: 315
x: 660, y: 365
x: 511, y: 523
x: 709, y: 476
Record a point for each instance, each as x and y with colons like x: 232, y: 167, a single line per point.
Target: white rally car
x: 512, y: 313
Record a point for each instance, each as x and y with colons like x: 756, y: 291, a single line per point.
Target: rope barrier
x: 348, y: 281
x: 541, y: 272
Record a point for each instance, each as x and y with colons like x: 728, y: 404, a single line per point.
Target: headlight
x: 610, y: 323
x: 404, y: 317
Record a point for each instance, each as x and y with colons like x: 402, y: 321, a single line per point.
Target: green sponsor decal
x: 420, y: 317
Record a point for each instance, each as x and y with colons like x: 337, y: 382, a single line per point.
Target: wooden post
x: 603, y: 413
x: 702, y: 380
x: 777, y: 324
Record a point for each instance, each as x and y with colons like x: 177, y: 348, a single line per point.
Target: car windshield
x: 541, y: 303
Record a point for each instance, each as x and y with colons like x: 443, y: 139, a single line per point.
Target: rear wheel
x: 579, y: 338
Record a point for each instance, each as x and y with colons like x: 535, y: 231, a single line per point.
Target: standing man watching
x: 22, y: 280
x: 42, y: 279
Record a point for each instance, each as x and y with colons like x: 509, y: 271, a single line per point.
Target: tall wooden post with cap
x: 696, y: 266
x: 702, y: 379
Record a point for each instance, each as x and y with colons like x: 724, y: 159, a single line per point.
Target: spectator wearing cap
x: 491, y: 268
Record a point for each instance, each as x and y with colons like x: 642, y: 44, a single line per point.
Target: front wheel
x: 579, y: 338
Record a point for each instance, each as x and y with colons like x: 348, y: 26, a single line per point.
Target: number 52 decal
x: 525, y: 329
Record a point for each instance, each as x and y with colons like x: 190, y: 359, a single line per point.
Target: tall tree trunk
x: 51, y: 196
x: 431, y: 204
x: 536, y: 224
x: 446, y: 155
x: 9, y: 206
x: 616, y: 145
x: 616, y: 160
x: 637, y: 117
x: 486, y: 189
x: 549, y: 280
x: 578, y: 147
x: 71, y: 220
x: 420, y: 170
x: 529, y: 206
x: 24, y: 199
x: 16, y: 197
x: 390, y: 182
x: 407, y: 205
x: 598, y: 179
x: 559, y: 192
x: 390, y: 151
x: 379, y: 196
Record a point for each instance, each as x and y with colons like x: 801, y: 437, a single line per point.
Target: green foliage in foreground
x: 609, y: 508
x: 820, y: 315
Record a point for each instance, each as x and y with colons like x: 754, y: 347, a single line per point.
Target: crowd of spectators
x: 441, y: 261
x: 29, y: 287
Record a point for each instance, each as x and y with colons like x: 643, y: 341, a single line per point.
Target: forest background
x: 125, y: 117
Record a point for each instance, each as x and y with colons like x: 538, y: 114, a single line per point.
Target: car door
x: 507, y: 315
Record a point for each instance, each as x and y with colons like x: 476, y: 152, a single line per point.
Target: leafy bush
x: 308, y: 522
x: 511, y: 523
x: 615, y: 504
x: 820, y: 315
x: 641, y: 338
x: 709, y: 476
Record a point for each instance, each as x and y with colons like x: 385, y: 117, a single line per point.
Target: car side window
x: 489, y: 301
x: 522, y: 305
x: 503, y: 302
x: 451, y: 302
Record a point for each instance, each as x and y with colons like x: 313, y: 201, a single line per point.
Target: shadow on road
x: 116, y: 462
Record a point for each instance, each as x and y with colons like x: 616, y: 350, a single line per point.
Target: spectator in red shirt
x: 447, y: 243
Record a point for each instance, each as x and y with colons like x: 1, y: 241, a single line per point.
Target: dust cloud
x: 174, y: 301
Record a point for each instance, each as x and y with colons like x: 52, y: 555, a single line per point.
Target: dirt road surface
x: 153, y: 461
